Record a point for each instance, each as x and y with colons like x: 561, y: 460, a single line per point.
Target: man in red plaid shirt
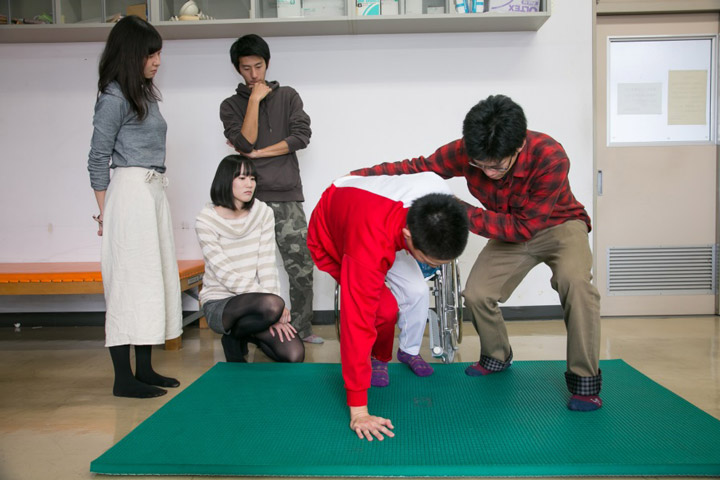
x: 530, y: 216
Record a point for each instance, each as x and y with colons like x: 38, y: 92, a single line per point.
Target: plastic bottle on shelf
x: 478, y: 6
x: 461, y: 6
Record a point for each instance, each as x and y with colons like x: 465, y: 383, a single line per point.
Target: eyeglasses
x: 501, y: 167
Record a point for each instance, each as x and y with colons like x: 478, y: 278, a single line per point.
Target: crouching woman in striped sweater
x: 241, y: 291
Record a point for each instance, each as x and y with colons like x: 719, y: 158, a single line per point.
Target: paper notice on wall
x: 639, y: 98
x: 687, y: 97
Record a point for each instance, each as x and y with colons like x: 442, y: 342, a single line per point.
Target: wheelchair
x: 444, y: 319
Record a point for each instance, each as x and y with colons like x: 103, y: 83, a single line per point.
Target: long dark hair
x: 130, y: 42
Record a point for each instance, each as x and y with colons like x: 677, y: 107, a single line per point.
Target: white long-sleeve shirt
x: 239, y: 254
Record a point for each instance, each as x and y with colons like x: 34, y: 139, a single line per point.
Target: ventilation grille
x: 684, y: 270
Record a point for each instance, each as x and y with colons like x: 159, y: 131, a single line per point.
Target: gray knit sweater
x: 121, y: 140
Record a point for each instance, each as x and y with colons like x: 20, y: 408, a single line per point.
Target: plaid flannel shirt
x: 534, y: 195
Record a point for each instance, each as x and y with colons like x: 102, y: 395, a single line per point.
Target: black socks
x: 142, y: 385
x: 144, y: 371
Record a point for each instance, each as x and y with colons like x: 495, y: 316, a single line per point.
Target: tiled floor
x: 57, y: 412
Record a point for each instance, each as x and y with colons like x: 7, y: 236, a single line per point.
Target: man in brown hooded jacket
x: 266, y: 122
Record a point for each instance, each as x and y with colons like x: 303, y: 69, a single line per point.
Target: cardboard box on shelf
x: 139, y: 9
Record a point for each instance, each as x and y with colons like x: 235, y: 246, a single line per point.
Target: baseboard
x: 322, y: 317
x: 537, y: 312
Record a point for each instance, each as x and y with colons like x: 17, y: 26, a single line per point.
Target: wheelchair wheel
x: 449, y: 356
x: 453, y: 305
x: 445, y: 320
x: 458, y: 302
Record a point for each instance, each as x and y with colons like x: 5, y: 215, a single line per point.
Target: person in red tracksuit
x: 355, y: 231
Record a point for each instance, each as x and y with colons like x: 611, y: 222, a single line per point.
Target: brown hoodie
x: 281, y: 117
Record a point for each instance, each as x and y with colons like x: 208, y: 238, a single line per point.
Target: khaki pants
x: 500, y: 268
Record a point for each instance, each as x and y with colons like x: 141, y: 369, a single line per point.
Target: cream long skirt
x: 139, y: 268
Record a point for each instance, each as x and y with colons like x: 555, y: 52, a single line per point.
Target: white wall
x: 372, y: 98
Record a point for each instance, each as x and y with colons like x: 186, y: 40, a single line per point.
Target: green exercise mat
x: 272, y: 419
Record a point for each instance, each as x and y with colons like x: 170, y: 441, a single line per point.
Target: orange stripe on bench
x: 59, y: 272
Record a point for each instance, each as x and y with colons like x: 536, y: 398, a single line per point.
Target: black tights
x: 145, y: 381
x: 248, y: 317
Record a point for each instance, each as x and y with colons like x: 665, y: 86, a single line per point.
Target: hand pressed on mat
x: 367, y: 426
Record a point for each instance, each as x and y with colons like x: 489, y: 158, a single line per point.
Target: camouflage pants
x: 291, y: 237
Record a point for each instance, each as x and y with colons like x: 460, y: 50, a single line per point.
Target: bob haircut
x: 221, y: 190
x: 247, y: 46
x: 129, y: 43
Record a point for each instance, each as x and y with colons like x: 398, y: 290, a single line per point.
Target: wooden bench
x: 74, y: 278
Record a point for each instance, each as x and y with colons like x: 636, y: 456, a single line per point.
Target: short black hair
x: 249, y: 45
x: 221, y: 190
x: 494, y: 129
x: 438, y: 225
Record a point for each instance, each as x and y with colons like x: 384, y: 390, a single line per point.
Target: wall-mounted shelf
x: 295, y: 26
x: 279, y: 27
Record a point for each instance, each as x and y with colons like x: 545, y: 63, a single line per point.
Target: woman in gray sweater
x: 139, y: 268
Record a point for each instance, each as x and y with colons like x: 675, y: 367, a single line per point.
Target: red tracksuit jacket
x: 353, y: 234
